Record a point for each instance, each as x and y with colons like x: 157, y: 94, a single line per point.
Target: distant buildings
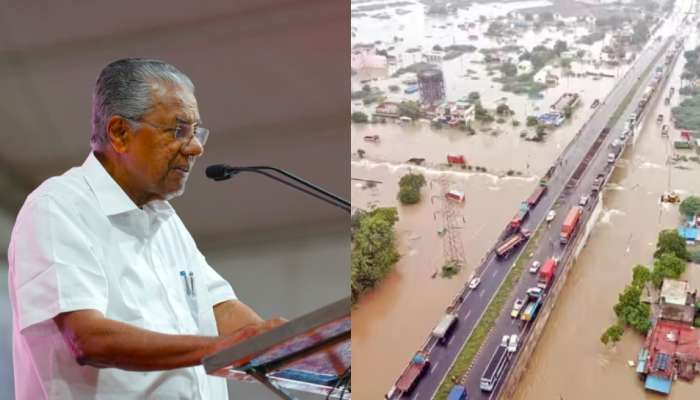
x: 365, y: 57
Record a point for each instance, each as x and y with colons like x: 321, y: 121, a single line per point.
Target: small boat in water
x: 371, y: 138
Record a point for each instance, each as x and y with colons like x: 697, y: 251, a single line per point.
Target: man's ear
x: 118, y: 133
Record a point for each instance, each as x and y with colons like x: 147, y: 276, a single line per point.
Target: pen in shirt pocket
x: 194, y: 294
x: 183, y: 274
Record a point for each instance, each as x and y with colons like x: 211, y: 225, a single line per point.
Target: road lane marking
x: 481, y: 293
x: 467, y: 315
x: 495, y: 272
x: 434, y: 366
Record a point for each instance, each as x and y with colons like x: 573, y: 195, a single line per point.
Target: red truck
x: 570, y: 223
x: 407, y: 381
x: 456, y: 160
x: 547, y: 273
x: 511, y: 243
x: 536, y: 196
x: 519, y: 218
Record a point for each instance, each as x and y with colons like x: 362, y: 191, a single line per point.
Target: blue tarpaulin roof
x: 658, y: 384
x: 688, y: 233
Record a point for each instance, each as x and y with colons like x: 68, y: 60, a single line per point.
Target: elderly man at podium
x: 111, y: 297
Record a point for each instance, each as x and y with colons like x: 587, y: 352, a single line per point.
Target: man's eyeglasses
x: 183, y: 133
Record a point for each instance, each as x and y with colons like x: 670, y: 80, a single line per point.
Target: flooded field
x: 392, y: 321
x: 569, y: 361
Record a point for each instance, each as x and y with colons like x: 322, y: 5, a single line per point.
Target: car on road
x: 517, y: 307
x: 611, y: 157
x: 535, y: 267
x: 550, y: 216
x: 583, y: 201
x: 474, y: 283
x: 505, y: 340
x: 616, y: 143
x: 513, y: 343
x: 535, y: 292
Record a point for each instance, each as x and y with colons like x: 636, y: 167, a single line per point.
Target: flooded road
x: 392, y: 321
x: 569, y: 361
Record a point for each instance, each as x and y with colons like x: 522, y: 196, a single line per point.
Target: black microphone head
x: 218, y: 172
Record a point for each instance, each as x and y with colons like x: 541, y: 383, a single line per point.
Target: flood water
x: 569, y: 360
x: 391, y: 322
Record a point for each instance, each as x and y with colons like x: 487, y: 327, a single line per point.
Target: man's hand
x: 232, y: 315
x: 244, y: 333
x: 106, y: 343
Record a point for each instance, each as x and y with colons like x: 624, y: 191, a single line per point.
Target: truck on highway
x: 495, y: 368
x: 536, y: 196
x: 598, y: 183
x: 508, y: 245
x: 458, y: 392
x: 410, y: 376
x: 517, y: 220
x: 547, y: 273
x: 534, y: 300
x: 444, y: 327
x: 547, y: 176
x: 570, y: 223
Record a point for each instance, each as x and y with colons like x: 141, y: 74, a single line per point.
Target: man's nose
x: 193, y: 148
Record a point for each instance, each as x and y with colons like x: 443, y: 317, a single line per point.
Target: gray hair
x: 124, y: 88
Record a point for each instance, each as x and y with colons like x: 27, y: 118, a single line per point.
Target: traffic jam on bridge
x: 575, y: 189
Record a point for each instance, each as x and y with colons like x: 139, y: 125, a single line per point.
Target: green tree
x: 531, y: 120
x: 640, y: 275
x: 690, y: 206
x: 560, y: 46
x: 409, y: 188
x: 565, y: 63
x: 394, y: 88
x: 495, y: 29
x: 359, y: 117
x: 668, y: 265
x: 631, y: 311
x: 670, y: 241
x: 503, y: 109
x: 612, y: 334
x: 640, y: 32
x: 509, y: 69
x: 409, y: 109
x: 373, y: 249
x: 474, y: 97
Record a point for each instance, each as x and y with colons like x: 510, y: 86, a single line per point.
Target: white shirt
x: 79, y: 242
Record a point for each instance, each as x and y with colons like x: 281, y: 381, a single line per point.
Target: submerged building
x: 432, y: 86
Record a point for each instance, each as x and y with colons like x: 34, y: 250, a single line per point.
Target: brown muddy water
x: 569, y: 361
x: 392, y: 321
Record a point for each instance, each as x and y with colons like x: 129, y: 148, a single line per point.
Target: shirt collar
x: 111, y: 197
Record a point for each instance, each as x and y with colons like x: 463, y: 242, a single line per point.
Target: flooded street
x: 391, y: 322
x: 569, y: 361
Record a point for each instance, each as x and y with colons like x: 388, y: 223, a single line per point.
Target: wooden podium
x: 309, y: 354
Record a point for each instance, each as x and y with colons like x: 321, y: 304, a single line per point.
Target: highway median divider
x: 488, y: 318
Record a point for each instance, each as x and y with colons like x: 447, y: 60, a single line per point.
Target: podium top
x: 314, y: 348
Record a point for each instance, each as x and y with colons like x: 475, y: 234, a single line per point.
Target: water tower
x: 432, y: 86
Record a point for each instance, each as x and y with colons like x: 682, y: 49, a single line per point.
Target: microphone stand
x: 320, y: 194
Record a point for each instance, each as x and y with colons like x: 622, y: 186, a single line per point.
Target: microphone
x: 221, y: 172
